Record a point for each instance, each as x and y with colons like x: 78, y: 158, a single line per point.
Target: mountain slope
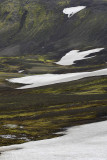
x: 38, y: 27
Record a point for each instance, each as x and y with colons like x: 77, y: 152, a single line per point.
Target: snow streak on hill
x: 47, y: 79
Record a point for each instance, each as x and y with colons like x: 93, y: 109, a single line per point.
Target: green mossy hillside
x: 39, y: 113
x: 39, y: 27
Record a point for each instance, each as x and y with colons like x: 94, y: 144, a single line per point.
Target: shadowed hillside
x: 40, y: 27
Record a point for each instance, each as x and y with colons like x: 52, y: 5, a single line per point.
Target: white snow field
x: 47, y: 79
x: 85, y: 142
x: 20, y: 71
x: 75, y: 55
x: 73, y: 10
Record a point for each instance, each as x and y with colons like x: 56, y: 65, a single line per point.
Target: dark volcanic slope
x: 40, y: 27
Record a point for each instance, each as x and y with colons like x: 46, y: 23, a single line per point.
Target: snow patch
x: 21, y: 71
x: 8, y: 136
x: 85, y: 142
x: 75, y: 55
x: 73, y: 10
x: 10, y: 126
x: 47, y: 79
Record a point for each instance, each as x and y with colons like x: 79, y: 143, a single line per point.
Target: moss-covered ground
x: 39, y: 113
x: 37, y: 64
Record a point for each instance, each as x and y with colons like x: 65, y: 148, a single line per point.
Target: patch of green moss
x: 63, y: 2
x: 45, y: 110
